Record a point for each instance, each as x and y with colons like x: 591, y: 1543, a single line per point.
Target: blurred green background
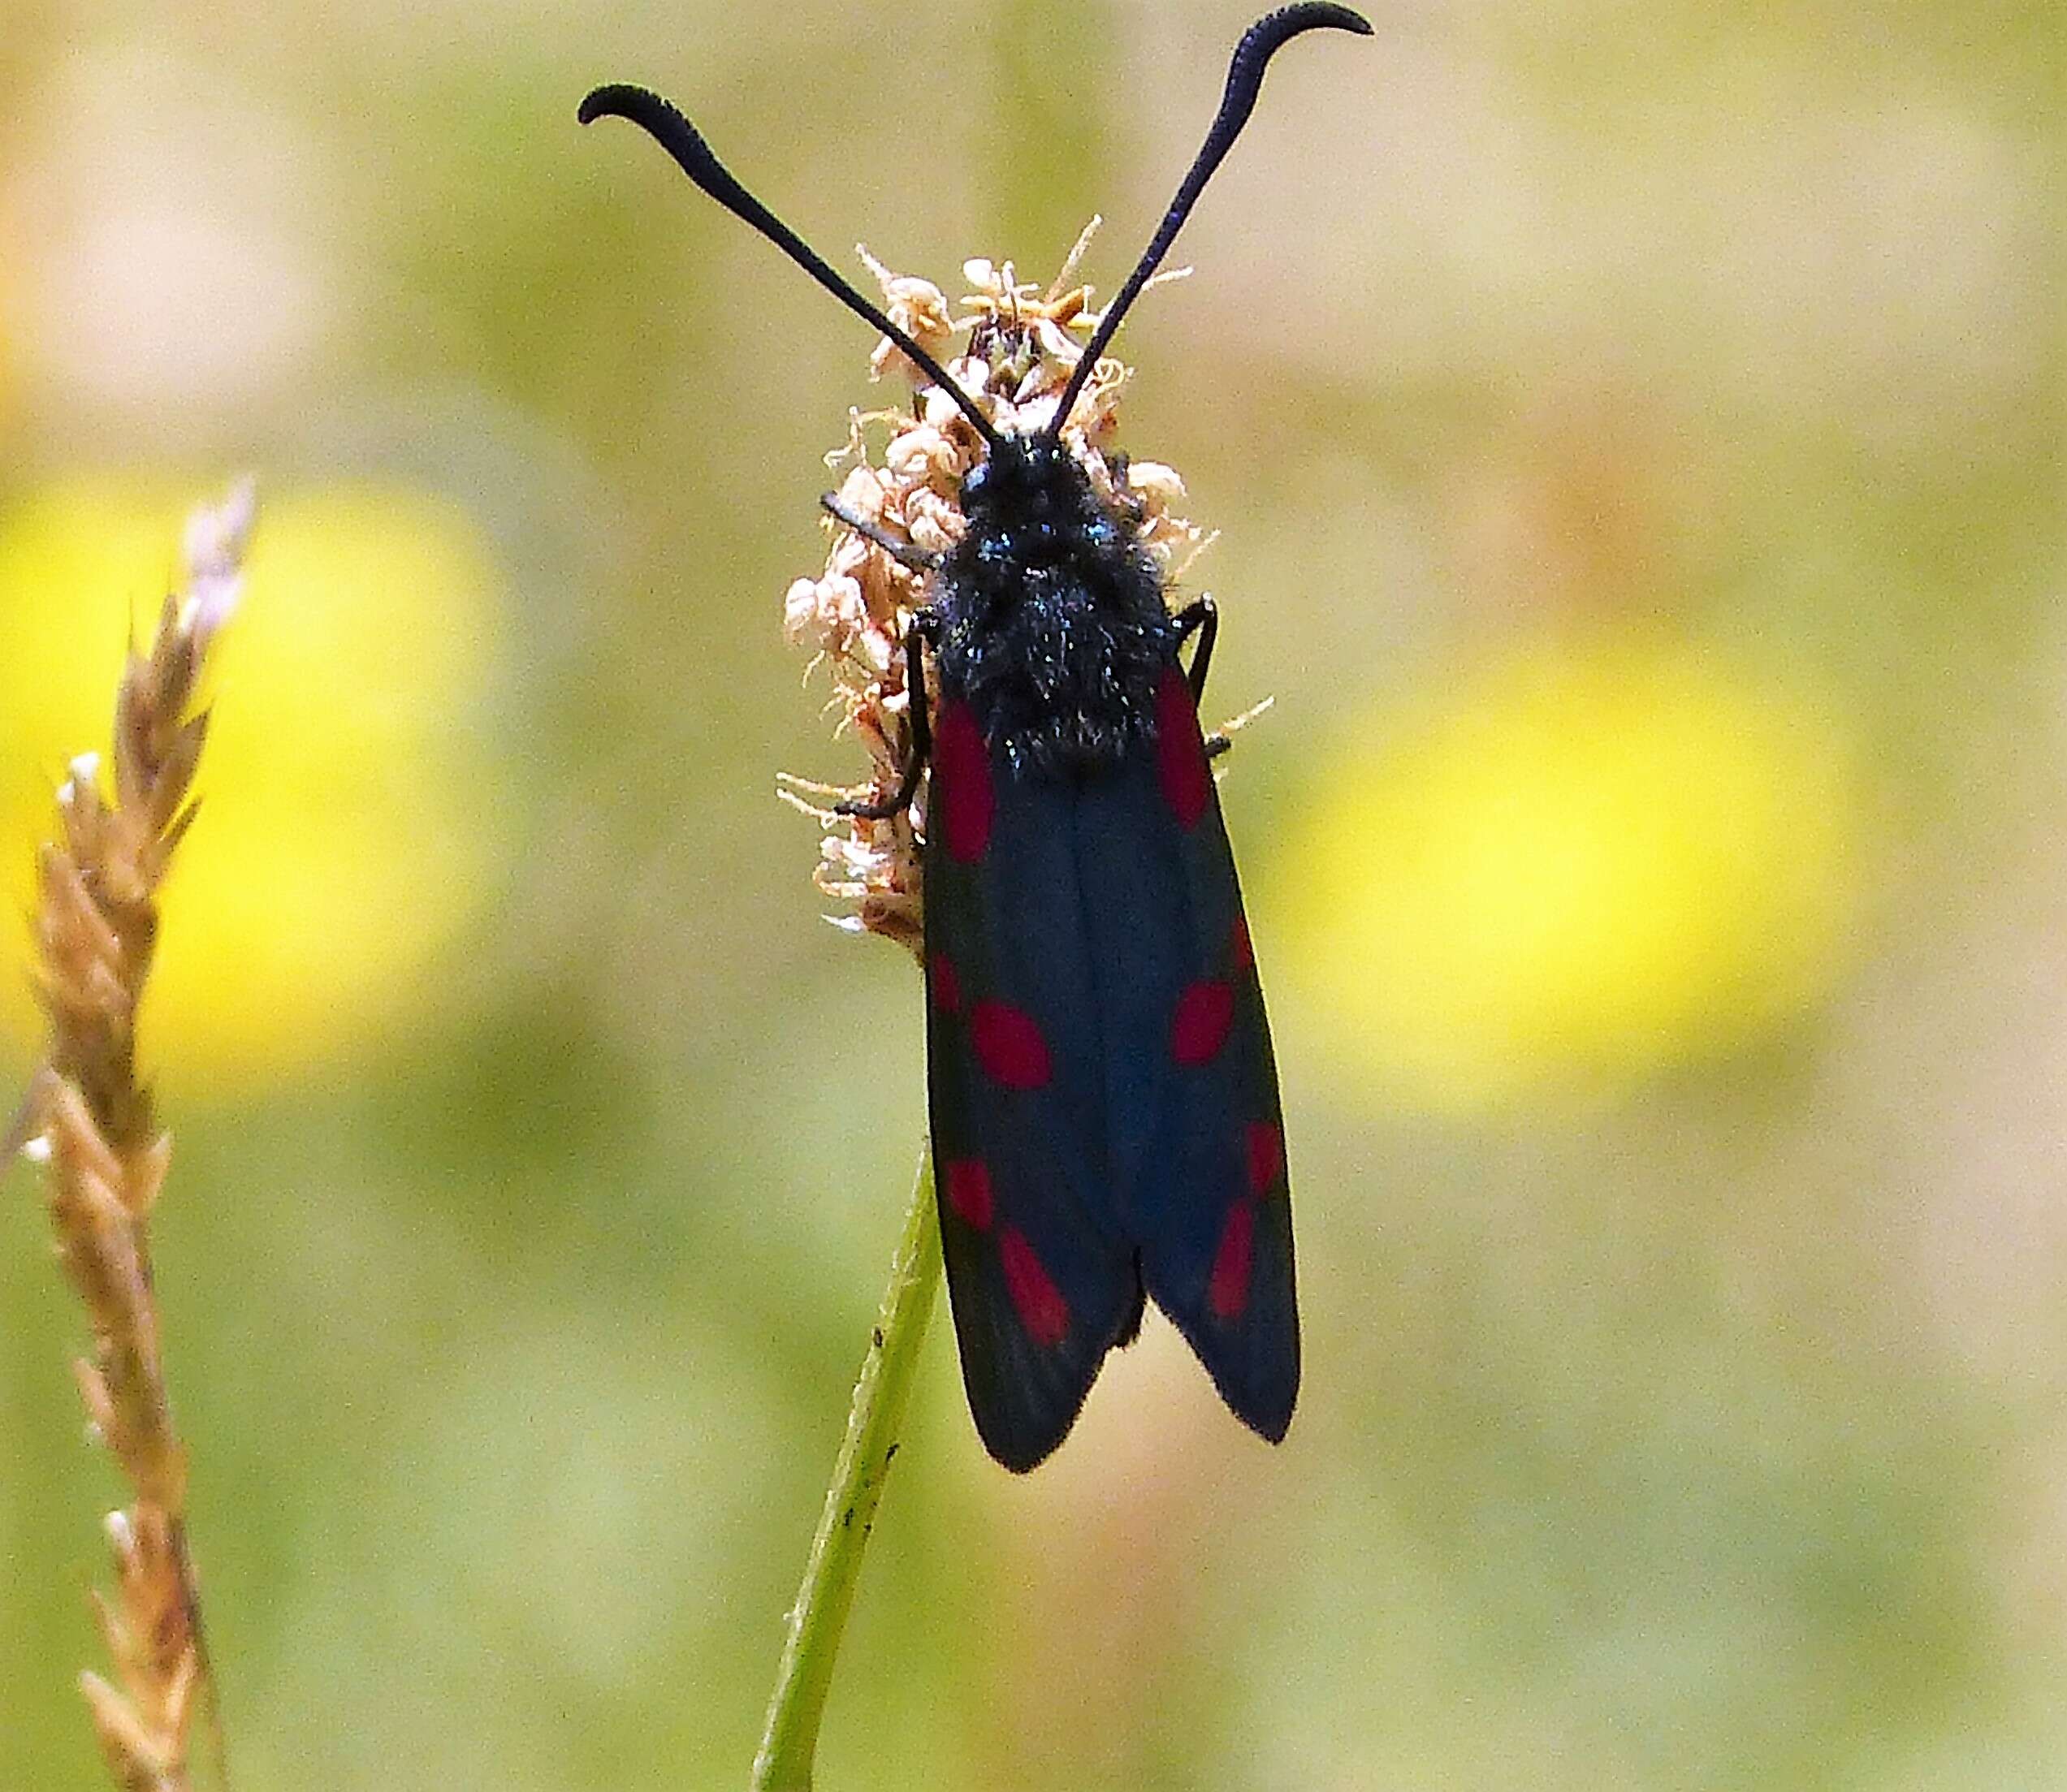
x: 1636, y: 434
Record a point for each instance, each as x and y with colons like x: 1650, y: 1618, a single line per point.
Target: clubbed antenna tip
x: 662, y: 121
x: 1262, y: 40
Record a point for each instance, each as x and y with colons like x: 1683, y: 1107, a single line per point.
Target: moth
x: 1103, y: 1098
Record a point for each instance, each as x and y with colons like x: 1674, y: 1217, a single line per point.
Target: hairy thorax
x: 1055, y: 627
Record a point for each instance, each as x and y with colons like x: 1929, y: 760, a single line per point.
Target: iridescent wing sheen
x: 1103, y: 1098
x: 1042, y: 1280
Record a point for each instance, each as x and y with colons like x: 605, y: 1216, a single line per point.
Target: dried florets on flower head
x: 1018, y: 345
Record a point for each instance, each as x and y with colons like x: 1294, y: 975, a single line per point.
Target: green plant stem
x: 819, y: 1615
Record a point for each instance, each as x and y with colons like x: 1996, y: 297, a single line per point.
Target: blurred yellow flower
x: 346, y: 820
x: 1588, y: 863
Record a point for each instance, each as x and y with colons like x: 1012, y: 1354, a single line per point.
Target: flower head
x: 903, y: 468
x: 1592, y: 860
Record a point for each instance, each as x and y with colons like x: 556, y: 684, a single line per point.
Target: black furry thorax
x: 1054, y: 627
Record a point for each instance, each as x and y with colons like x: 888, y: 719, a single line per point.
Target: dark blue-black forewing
x: 1042, y: 1277
x: 1196, y: 1135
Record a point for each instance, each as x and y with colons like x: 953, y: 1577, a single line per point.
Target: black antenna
x: 1262, y: 40
x: 681, y: 139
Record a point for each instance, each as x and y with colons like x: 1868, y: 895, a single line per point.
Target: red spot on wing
x: 1229, y: 1288
x: 968, y: 1191
x: 1036, y: 1298
x: 1008, y: 1045
x: 1266, y: 1156
x: 1180, y: 753
x: 962, y: 776
x: 1238, y: 944
x: 1199, y: 1027
x: 947, y: 986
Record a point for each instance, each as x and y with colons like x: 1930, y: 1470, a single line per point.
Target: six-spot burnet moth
x: 1103, y: 1099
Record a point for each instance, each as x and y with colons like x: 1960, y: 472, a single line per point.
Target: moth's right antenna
x: 1262, y: 40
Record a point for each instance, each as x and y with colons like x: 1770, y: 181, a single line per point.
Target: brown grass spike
x: 88, y: 1118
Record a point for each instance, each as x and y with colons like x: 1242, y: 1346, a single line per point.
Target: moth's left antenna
x: 682, y: 140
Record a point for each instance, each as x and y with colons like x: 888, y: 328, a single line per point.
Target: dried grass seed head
x: 96, y: 928
x: 902, y: 469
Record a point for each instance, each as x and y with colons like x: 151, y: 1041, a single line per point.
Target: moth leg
x: 906, y: 553
x: 925, y: 626
x: 1205, y: 617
